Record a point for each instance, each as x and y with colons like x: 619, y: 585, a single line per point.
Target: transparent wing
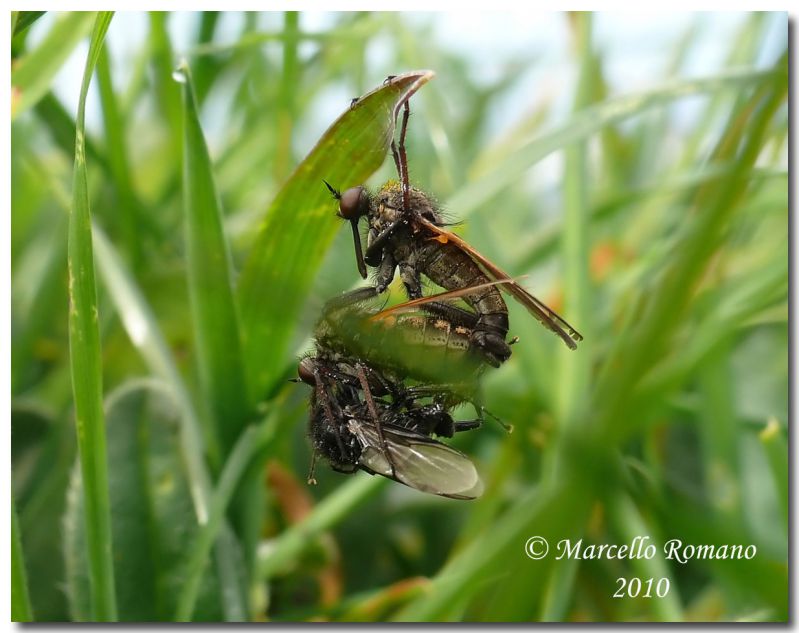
x: 419, y: 461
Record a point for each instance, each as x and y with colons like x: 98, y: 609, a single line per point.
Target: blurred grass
x: 661, y: 237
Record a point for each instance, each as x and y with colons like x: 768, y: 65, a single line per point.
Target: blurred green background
x: 632, y: 168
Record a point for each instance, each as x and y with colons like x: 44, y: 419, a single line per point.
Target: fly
x: 406, y: 233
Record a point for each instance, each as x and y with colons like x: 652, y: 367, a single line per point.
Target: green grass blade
x: 574, y: 368
x: 642, y: 347
x: 117, y: 152
x: 503, y: 173
x: 86, y: 364
x: 772, y: 437
x: 301, y: 223
x: 143, y: 330
x: 292, y: 542
x: 32, y: 75
x: 21, y: 20
x: 20, y: 600
x: 210, y: 271
x: 251, y: 442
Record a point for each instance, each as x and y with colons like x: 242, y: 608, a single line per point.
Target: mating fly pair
x: 388, y: 431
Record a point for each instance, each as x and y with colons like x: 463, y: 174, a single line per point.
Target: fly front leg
x: 377, y: 242
x: 411, y: 278
x: 385, y: 274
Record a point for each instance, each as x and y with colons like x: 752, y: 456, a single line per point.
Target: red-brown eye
x: 354, y: 203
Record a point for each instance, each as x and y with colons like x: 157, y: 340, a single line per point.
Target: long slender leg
x: 349, y: 298
x: 311, y: 478
x: 367, y: 395
x: 403, y: 160
x: 322, y: 398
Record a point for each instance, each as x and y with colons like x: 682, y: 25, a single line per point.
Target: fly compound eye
x: 305, y: 371
x: 354, y: 203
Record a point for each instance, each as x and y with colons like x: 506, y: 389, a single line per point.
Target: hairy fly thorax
x: 387, y: 206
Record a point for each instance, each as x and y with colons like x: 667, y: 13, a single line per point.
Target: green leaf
x: 210, y: 271
x: 152, y: 513
x: 301, y: 223
x: 86, y: 365
x: 23, y: 20
x: 32, y: 75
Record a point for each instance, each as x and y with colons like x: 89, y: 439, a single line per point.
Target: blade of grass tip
x: 772, y: 437
x: 292, y: 542
x: 504, y: 173
x: 21, y: 610
x: 300, y: 224
x: 86, y: 363
x: 253, y: 441
x: 210, y: 271
x: 32, y: 75
x: 21, y: 20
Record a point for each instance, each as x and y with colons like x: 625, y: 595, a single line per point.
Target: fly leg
x: 385, y: 274
x: 370, y: 403
x: 401, y: 159
x: 349, y: 298
x: 312, y: 471
x: 328, y: 405
x: 377, y: 241
x: 411, y: 278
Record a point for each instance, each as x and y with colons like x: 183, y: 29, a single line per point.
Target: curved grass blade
x: 214, y: 315
x: 301, y: 223
x: 86, y: 364
x: 293, y: 541
x: 32, y: 75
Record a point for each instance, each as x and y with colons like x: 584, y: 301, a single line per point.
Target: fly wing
x: 414, y: 304
x: 419, y: 461
x: 548, y: 317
